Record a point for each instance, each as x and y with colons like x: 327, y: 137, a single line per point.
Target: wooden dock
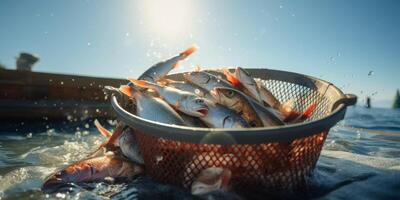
x: 37, y: 95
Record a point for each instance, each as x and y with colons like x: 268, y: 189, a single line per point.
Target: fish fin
x: 164, y: 82
x: 231, y: 78
x: 141, y: 83
x: 176, y: 65
x: 309, y: 111
x: 102, y: 130
x: 127, y: 90
x: 189, y: 51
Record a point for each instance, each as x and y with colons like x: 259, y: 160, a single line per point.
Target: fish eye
x: 230, y: 93
x: 199, y: 101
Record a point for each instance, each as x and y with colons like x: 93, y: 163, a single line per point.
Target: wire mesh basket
x: 272, y: 158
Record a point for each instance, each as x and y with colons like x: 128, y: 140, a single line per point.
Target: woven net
x: 284, y: 165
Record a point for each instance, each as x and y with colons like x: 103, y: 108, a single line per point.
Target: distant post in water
x: 25, y: 61
x: 396, y: 103
x: 368, y: 102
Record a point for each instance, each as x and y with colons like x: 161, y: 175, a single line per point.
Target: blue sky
x: 337, y: 40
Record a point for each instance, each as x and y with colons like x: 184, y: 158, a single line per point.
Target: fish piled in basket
x: 220, y: 98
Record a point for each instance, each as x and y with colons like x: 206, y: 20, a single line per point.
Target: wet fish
x: 267, y: 97
x: 129, y: 146
x: 188, y: 87
x: 93, y: 169
x: 231, y: 99
x: 220, y: 116
x: 112, y: 142
x: 183, y: 101
x: 122, y: 140
x: 159, y: 70
x: 152, y: 108
x: 243, y: 103
x: 242, y: 78
x: 191, y: 121
x: 211, y: 179
x: 206, y: 80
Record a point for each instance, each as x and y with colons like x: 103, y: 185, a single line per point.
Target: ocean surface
x: 360, y: 160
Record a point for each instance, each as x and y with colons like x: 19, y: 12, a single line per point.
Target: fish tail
x: 189, y: 51
x: 231, y: 77
x: 309, y: 111
x: 102, y: 130
x: 127, y: 90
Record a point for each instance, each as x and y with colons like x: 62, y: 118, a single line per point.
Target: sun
x: 172, y: 18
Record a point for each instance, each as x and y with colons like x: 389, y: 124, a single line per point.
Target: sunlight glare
x: 170, y: 18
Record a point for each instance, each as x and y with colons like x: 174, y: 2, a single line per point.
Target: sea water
x: 360, y: 160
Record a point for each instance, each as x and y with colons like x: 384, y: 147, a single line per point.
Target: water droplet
x: 197, y: 91
x: 50, y: 80
x: 97, y: 110
x: 50, y: 132
x: 280, y: 6
x: 73, y: 80
x: 127, y: 34
x: 89, y: 43
x: 87, y: 125
x: 29, y: 135
x: 60, y: 195
x: 62, y: 83
x: 78, y: 135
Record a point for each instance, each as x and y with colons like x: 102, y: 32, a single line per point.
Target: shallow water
x: 360, y: 160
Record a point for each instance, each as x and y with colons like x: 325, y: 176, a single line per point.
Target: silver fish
x: 152, y: 108
x: 159, y: 70
x: 267, y: 96
x: 248, y: 82
x: 188, y: 87
x: 129, y: 146
x: 222, y: 117
x: 183, y: 101
x: 231, y: 99
x: 206, y: 80
x: 268, y: 116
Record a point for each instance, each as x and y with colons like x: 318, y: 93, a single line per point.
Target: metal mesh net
x: 268, y: 165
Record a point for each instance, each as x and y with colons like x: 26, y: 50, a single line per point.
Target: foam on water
x: 357, y: 162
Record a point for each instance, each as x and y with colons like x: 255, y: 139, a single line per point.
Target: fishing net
x: 280, y: 164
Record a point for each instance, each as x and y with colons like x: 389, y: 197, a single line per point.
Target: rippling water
x: 360, y: 159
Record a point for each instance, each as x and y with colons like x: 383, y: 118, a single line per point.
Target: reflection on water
x: 360, y: 159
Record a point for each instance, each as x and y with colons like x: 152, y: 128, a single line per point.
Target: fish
x: 188, y: 87
x: 211, y: 179
x: 93, y: 169
x: 123, y: 139
x: 112, y: 142
x: 248, y: 82
x: 129, y: 146
x: 231, y: 99
x: 161, y: 69
x: 183, y: 101
x: 248, y: 106
x: 206, y: 80
x: 152, y: 108
x: 267, y: 97
x: 191, y: 121
x: 220, y: 116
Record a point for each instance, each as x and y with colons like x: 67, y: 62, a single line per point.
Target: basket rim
x: 256, y: 135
